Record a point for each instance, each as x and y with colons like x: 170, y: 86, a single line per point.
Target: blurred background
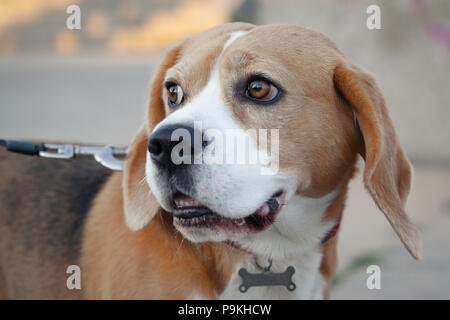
x: 91, y: 85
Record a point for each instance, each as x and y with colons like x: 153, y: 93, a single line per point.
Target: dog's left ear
x: 387, y: 173
x: 140, y: 206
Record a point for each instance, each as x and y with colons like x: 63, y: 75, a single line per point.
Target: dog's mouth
x: 189, y: 213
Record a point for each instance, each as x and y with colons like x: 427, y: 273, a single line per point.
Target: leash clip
x: 104, y: 155
x: 57, y: 151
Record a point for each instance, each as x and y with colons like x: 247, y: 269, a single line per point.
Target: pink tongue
x: 264, y: 210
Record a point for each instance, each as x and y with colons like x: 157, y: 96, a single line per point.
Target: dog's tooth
x: 240, y: 222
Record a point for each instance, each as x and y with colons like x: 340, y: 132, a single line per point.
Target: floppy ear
x: 140, y: 206
x: 387, y: 173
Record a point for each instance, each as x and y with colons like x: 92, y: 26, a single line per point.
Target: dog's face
x: 283, y: 93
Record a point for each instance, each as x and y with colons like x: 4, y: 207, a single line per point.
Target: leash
x: 109, y: 157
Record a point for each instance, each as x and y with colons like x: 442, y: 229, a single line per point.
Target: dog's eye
x: 175, y: 94
x: 261, y: 90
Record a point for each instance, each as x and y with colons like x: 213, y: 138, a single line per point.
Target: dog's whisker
x: 181, y: 244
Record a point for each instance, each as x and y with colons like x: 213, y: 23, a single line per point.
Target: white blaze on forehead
x: 232, y: 38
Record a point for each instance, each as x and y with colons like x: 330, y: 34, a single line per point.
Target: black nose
x: 160, y: 144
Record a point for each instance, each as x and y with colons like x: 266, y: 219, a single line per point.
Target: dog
x: 161, y: 230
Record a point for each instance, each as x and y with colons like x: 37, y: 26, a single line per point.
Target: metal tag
x: 267, y: 278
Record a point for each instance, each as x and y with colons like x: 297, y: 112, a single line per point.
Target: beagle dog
x: 163, y: 229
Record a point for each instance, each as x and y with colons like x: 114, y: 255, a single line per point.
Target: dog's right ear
x: 140, y: 206
x: 387, y: 173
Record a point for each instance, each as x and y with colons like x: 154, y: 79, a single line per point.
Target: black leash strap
x: 22, y: 147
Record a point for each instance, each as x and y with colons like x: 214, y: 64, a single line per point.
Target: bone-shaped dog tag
x: 267, y: 278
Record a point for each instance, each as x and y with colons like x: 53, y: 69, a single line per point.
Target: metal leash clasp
x: 105, y: 155
x: 58, y: 151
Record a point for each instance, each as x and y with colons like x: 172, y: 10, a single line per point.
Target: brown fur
x: 387, y: 173
x: 117, y: 261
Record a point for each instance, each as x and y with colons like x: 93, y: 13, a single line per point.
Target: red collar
x: 332, y: 232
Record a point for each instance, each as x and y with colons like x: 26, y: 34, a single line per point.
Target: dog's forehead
x: 199, y: 52
x: 282, y: 48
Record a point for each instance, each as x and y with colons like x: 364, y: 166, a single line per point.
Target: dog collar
x: 332, y: 232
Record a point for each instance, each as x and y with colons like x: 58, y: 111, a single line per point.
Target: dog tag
x: 267, y: 278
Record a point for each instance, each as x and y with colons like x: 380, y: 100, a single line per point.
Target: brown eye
x: 175, y: 95
x: 261, y: 90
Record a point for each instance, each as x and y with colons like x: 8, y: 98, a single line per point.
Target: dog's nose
x: 160, y: 144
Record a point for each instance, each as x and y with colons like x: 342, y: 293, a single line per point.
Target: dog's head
x: 251, y: 134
